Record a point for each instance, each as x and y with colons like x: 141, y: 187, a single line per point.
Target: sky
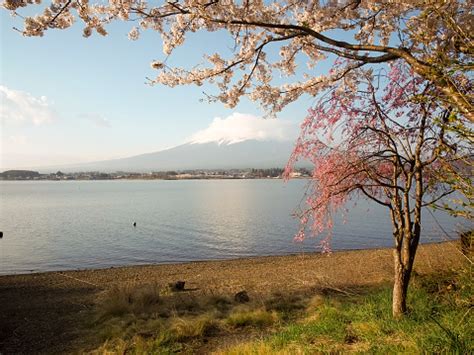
x: 68, y: 99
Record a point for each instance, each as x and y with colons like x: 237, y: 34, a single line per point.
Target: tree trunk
x: 400, y: 286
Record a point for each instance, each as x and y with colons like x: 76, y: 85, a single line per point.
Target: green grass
x: 439, y: 321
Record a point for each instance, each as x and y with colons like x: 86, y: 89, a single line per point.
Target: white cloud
x: 239, y: 127
x: 20, y: 106
x: 97, y: 119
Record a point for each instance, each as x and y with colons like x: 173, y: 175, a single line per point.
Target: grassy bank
x: 343, y: 320
x: 297, y: 304
x: 440, y: 321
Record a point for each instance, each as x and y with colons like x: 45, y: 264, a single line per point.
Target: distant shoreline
x: 160, y: 179
x: 147, y: 179
x: 197, y: 174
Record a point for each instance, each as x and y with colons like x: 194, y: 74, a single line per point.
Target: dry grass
x: 260, y: 348
x: 122, y: 299
x: 285, y: 303
x: 187, y: 328
x: 257, y: 318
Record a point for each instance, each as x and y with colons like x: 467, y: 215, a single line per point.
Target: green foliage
x: 457, y: 172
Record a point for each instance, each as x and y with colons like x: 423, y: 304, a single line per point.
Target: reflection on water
x: 50, y: 225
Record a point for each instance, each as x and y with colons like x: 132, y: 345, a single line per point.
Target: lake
x: 64, y: 225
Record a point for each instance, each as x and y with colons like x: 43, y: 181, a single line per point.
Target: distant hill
x: 19, y: 174
x: 192, y: 156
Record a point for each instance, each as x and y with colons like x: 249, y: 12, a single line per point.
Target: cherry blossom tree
x: 379, y: 142
x: 433, y: 37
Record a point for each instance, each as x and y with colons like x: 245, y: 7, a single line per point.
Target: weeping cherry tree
x: 377, y: 140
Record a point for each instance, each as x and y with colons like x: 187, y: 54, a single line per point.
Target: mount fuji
x: 193, y: 156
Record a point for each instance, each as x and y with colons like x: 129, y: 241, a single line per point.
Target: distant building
x: 295, y: 174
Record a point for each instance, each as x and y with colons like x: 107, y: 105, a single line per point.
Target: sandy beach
x: 48, y: 312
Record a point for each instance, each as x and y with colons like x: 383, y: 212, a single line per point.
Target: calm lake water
x: 52, y: 225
